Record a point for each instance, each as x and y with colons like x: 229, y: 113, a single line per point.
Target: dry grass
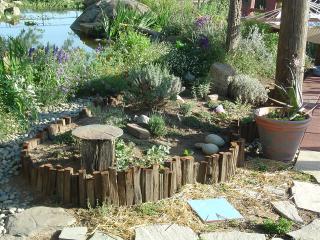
x: 250, y: 191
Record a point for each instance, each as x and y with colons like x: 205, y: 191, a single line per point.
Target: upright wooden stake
x: 82, y: 189
x: 129, y: 187
x: 136, y: 185
x: 113, y: 187
x: 105, y: 189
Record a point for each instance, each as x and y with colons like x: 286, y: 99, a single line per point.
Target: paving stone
x: 287, y: 210
x: 308, y: 232
x: 9, y: 237
x: 306, y: 195
x: 37, y: 220
x: 103, y: 236
x: 309, y: 162
x: 165, y: 232
x: 73, y: 233
x: 235, y: 235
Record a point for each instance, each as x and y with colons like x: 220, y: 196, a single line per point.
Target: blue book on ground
x: 217, y: 209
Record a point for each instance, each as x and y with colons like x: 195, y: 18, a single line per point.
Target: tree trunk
x: 97, y: 155
x: 234, y: 20
x: 292, y: 44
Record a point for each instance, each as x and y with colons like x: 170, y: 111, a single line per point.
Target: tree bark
x: 234, y: 20
x: 97, y: 155
x: 292, y: 44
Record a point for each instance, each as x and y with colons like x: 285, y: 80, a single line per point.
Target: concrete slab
x: 235, y: 235
x: 308, y: 232
x: 73, y: 233
x: 287, y: 210
x: 103, y: 236
x: 309, y: 162
x: 306, y: 196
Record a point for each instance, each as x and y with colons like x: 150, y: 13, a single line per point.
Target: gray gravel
x: 14, y: 200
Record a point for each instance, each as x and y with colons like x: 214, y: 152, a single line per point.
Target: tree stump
x: 97, y: 146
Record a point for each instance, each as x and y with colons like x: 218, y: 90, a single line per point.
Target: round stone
x: 210, y: 148
x: 215, y: 139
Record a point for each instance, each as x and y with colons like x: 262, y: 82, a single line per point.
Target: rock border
x: 124, y: 188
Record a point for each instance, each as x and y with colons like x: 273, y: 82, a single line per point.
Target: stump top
x: 97, y: 132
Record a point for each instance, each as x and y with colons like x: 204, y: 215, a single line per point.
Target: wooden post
x: 171, y: 191
x: 97, y: 187
x: 34, y: 176
x: 148, y: 178
x: 137, y: 185
x: 67, y: 185
x: 187, y: 170
x: 40, y: 178
x: 113, y: 186
x: 90, y: 191
x: 45, y: 179
x: 60, y: 184
x: 195, y: 171
x: 178, y: 171
x: 155, y: 172
x: 234, y: 21
x: 105, y: 187
x: 122, y: 188
x: 75, y: 189
x: 52, y: 181
x: 292, y: 45
x: 129, y: 187
x: 202, y: 176
x: 241, y: 154
x: 166, y: 183
x: 215, y: 168
x: 82, y: 189
x: 222, y: 167
x: 161, y: 190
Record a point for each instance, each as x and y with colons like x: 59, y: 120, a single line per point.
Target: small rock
x: 215, y: 139
x: 288, y: 210
x: 198, y: 145
x: 102, y: 236
x: 189, y: 77
x: 219, y: 109
x: 137, y: 131
x: 142, y: 119
x: 210, y: 149
x: 212, y: 97
x: 73, y: 233
x: 180, y: 99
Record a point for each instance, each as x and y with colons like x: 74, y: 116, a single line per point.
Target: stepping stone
x: 287, y: 210
x: 309, y: 162
x: 308, y: 232
x: 235, y: 235
x: 103, y: 236
x: 73, y: 233
x: 36, y: 220
x: 137, y: 131
x: 165, y: 232
x: 306, y: 196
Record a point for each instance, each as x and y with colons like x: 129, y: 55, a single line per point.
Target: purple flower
x: 46, y: 49
x: 31, y: 51
x: 204, y: 42
x: 99, y: 48
x: 202, y: 21
x: 62, y: 56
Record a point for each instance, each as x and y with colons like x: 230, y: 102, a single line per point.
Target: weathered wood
x: 223, y: 167
x: 148, y: 190
x: 166, y: 182
x: 187, y: 170
x: 137, y: 185
x: 97, y: 146
x: 34, y: 176
x: 234, y: 21
x: 60, y: 184
x: 40, y: 177
x: 122, y: 188
x: 67, y: 185
x: 161, y: 192
x: 113, y: 187
x: 90, y: 191
x: 82, y: 189
x: 97, y: 187
x: 75, y: 189
x: 45, y: 179
x: 67, y: 120
x: 215, y: 168
x: 52, y: 186
x: 155, y: 169
x: 292, y: 46
x: 202, y: 176
x: 171, y: 191
x: 129, y: 187
x: 53, y: 130
x: 228, y: 156
x: 105, y: 192
x: 195, y: 171
x: 176, y: 159
x: 241, y: 153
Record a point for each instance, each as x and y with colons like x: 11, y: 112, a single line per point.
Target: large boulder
x: 221, y: 75
x: 90, y: 22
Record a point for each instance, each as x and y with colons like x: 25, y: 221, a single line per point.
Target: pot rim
x: 263, y: 117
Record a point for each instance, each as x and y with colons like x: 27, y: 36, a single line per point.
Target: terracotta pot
x: 280, y: 139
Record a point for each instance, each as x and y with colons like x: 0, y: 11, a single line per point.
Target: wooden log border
x: 133, y: 186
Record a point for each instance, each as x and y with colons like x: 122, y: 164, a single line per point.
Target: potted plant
x: 281, y: 129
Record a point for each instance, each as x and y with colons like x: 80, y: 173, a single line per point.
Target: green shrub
x: 248, y: 90
x: 201, y: 90
x: 156, y: 155
x: 111, y: 116
x: 186, y: 108
x: 152, y: 85
x: 124, y: 154
x: 157, y: 125
x: 281, y: 226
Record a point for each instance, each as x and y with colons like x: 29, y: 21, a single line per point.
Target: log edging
x: 133, y: 186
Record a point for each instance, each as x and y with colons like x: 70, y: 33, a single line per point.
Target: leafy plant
x: 201, y: 90
x: 188, y: 152
x: 64, y: 138
x: 157, y: 125
x: 149, y: 209
x: 152, y: 85
x: 248, y: 90
x: 186, y: 108
x: 156, y: 155
x: 281, y: 226
x: 124, y: 154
